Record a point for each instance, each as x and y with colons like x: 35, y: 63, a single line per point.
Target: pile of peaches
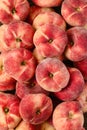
x: 43, y: 64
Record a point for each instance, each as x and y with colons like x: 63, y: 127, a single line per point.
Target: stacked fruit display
x: 43, y: 64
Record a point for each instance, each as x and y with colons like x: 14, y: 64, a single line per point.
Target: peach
x: 52, y: 75
x: 74, y: 12
x: 3, y: 46
x: 49, y: 17
x: 68, y: 116
x: 35, y: 10
x: 20, y: 64
x: 30, y: 86
x: 19, y: 34
x: 37, y: 55
x: 13, y: 10
x: 74, y: 87
x: 82, y: 98
x: 76, y: 49
x: 23, y: 125
x: 9, y: 111
x: 51, y: 3
x: 47, y: 125
x: 50, y: 40
x: 83, y: 128
x: 35, y: 108
x: 6, y: 81
x: 82, y: 66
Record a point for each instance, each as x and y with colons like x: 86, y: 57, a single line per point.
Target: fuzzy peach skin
x: 76, y: 49
x: 47, y: 125
x: 23, y: 125
x: 35, y: 108
x: 75, y: 12
x: 82, y: 66
x: 35, y: 10
x: 49, y: 17
x: 30, y: 86
x: 3, y: 46
x: 83, y: 128
x: 13, y: 10
x: 68, y: 116
x: 9, y: 111
x: 50, y: 3
x: 19, y: 34
x: 37, y: 55
x: 50, y: 40
x: 82, y: 98
x: 74, y: 87
x: 52, y: 75
x: 6, y: 81
x: 20, y: 64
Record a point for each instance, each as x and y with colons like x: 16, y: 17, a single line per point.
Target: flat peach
x: 50, y: 17
x: 20, y: 64
x: 76, y: 49
x: 74, y: 87
x: 52, y: 75
x: 51, y: 3
x: 50, y: 40
x: 74, y: 12
x: 13, y: 10
x: 68, y: 116
x: 35, y: 108
x: 82, y: 98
